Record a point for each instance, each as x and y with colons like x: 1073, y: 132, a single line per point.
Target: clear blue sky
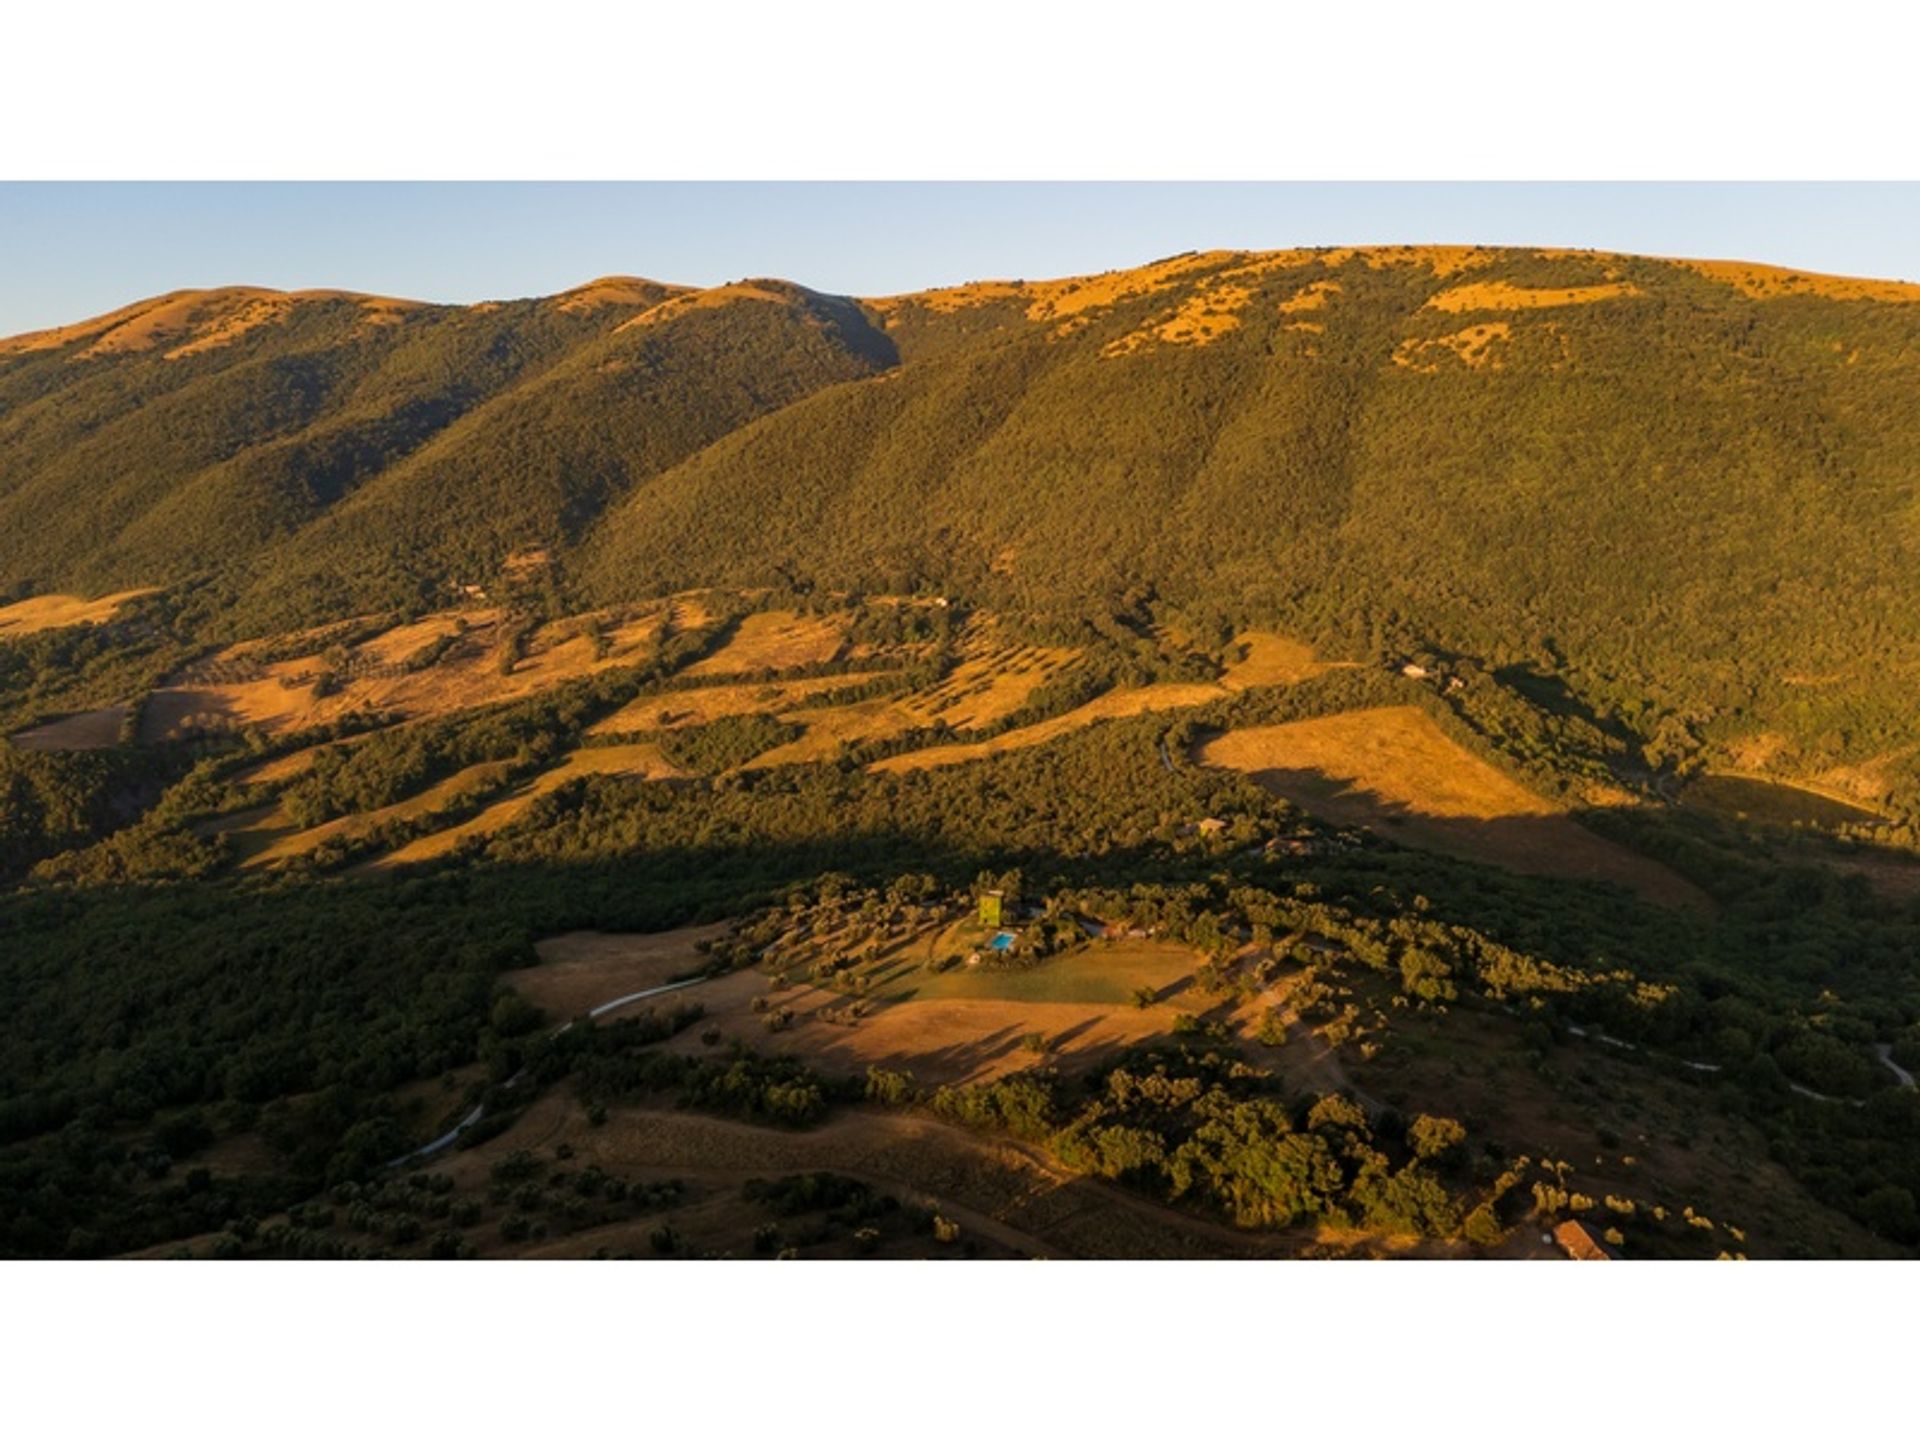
x: 68, y: 251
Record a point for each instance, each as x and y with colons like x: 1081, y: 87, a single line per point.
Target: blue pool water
x: 1002, y: 941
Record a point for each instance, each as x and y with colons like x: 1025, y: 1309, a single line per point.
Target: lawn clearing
x: 1102, y: 972
x: 961, y: 1024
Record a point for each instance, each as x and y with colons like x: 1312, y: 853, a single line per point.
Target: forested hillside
x: 1684, y: 491
x: 333, y: 459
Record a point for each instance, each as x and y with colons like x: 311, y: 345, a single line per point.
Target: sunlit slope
x: 1674, y: 490
x: 342, y: 453
x: 1686, y: 489
x: 536, y: 465
x: 134, y: 463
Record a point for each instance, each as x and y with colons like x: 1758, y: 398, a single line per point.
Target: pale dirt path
x: 1885, y: 1052
x: 472, y: 1117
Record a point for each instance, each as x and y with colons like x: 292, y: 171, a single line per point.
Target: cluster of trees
x: 1375, y: 507
x: 89, y: 667
x: 54, y: 801
x: 615, y: 1063
x: 1191, y: 1122
x: 725, y: 743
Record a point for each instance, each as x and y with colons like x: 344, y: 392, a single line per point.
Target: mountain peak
x: 629, y: 291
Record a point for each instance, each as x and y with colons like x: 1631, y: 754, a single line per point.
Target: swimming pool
x: 1002, y: 941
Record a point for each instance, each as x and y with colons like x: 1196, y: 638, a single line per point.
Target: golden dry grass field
x: 54, y: 612
x: 237, y: 687
x: 641, y: 761
x: 585, y: 968
x: 268, y: 837
x: 960, y: 1025
x: 1392, y: 769
x: 776, y: 640
x: 1387, y: 768
x: 683, y: 709
x: 1265, y: 659
x: 1112, y: 705
x: 1499, y: 295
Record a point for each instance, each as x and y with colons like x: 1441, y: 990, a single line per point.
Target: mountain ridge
x: 1681, y: 487
x: 1759, y: 279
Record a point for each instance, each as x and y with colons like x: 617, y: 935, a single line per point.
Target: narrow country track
x: 472, y: 1117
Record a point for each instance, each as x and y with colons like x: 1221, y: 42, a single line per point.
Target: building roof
x: 1581, y: 1241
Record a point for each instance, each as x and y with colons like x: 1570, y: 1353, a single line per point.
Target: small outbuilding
x: 1582, y: 1242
